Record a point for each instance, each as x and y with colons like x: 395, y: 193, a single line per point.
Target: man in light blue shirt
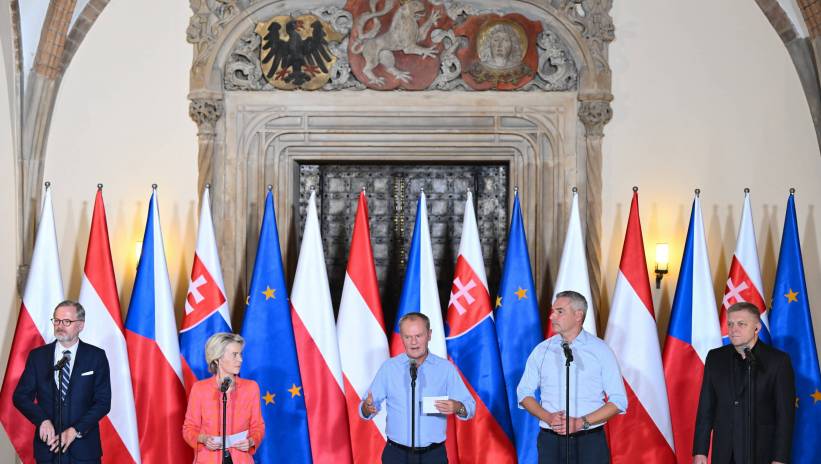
x: 435, y: 377
x: 596, y: 387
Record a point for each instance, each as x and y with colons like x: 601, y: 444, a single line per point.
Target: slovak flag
x: 419, y: 290
x: 104, y: 329
x: 154, y: 352
x: 206, y: 307
x: 474, y: 349
x: 692, y: 333
x: 317, y: 349
x: 644, y: 433
x: 744, y: 281
x: 363, y: 346
x: 44, y: 290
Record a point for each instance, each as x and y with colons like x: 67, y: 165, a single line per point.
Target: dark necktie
x: 64, y: 374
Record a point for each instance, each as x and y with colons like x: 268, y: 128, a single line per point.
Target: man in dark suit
x: 723, y: 406
x: 85, y: 397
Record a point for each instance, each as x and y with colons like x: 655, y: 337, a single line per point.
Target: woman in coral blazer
x: 202, y: 429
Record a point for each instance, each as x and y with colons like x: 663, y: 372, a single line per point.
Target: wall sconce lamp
x: 662, y: 262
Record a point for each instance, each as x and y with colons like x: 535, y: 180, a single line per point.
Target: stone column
x: 206, y: 112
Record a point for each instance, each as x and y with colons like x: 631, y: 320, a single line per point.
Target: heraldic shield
x: 294, y: 51
x: 393, y: 43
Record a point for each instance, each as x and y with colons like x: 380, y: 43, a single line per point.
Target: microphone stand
x: 413, y: 373
x: 58, y: 397
x: 568, y: 355
x: 750, y: 442
x: 226, y: 456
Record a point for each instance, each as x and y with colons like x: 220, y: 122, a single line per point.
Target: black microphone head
x: 413, y: 369
x: 226, y: 383
x: 568, y: 353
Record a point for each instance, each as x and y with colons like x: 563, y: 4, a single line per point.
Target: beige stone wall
x: 700, y: 101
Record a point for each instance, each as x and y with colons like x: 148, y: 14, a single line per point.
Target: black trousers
x: 393, y: 454
x: 585, y: 448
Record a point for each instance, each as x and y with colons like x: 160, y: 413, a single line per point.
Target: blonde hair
x: 215, y: 347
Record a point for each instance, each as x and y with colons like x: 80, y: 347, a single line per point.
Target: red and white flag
x: 363, y: 346
x: 104, y: 329
x: 644, y: 433
x: 573, y: 273
x: 744, y: 281
x: 44, y: 290
x: 318, y: 350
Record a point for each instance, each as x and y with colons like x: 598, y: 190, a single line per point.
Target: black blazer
x: 722, y: 406
x: 88, y: 398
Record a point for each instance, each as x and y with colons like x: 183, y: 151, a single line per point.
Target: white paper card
x: 428, y: 404
x: 232, y: 440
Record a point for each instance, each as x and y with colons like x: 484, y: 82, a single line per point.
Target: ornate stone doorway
x: 393, y: 190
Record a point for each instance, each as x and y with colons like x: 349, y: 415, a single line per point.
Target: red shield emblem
x: 390, y: 44
x: 501, y: 54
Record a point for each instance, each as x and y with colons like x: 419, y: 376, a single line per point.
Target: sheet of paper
x: 231, y: 440
x: 428, y: 406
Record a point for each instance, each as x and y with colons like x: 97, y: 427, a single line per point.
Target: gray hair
x: 412, y: 316
x: 78, y: 308
x: 577, y: 300
x: 745, y: 307
x: 215, y: 347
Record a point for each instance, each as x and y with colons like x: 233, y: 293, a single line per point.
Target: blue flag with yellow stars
x: 791, y: 330
x: 518, y: 329
x: 269, y: 357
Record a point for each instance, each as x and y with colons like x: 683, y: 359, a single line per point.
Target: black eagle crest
x: 295, y: 60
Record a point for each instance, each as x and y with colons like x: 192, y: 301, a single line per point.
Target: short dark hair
x: 577, y: 300
x: 81, y: 312
x: 745, y: 306
x: 414, y: 315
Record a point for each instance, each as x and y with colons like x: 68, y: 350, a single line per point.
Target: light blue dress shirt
x: 436, y: 377
x: 594, y: 376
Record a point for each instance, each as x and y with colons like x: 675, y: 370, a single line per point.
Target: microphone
x: 61, y: 363
x: 567, y: 352
x: 413, y: 369
x: 226, y: 382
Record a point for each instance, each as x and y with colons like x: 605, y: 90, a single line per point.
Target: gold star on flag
x: 269, y: 397
x: 521, y: 293
x: 816, y: 397
x: 294, y: 390
x: 498, y: 301
x: 791, y: 296
x: 269, y: 293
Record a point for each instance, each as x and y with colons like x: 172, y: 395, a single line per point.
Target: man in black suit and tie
x: 85, y: 397
x: 724, y: 405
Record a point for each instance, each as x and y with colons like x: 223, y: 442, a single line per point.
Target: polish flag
x: 744, y: 281
x: 44, y: 290
x: 104, y: 329
x: 206, y: 307
x: 692, y: 333
x: 363, y: 346
x: 573, y: 268
x: 318, y: 350
x: 644, y: 433
x: 474, y: 349
x: 154, y: 352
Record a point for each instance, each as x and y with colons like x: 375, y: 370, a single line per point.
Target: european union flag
x: 518, y: 329
x: 791, y: 331
x: 270, y: 353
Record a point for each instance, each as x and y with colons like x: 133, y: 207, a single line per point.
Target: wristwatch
x: 462, y: 412
x: 79, y: 435
x: 585, y: 424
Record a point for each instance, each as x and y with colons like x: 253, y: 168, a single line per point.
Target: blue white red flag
x: 154, y: 352
x: 791, y: 324
x: 474, y: 349
x: 206, y: 306
x: 518, y: 329
x: 692, y: 333
x: 419, y: 290
x: 744, y: 280
x: 270, y: 357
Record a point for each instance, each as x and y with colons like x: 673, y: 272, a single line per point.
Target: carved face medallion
x: 294, y: 52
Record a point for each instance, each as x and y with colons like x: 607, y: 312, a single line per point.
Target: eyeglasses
x: 64, y: 322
